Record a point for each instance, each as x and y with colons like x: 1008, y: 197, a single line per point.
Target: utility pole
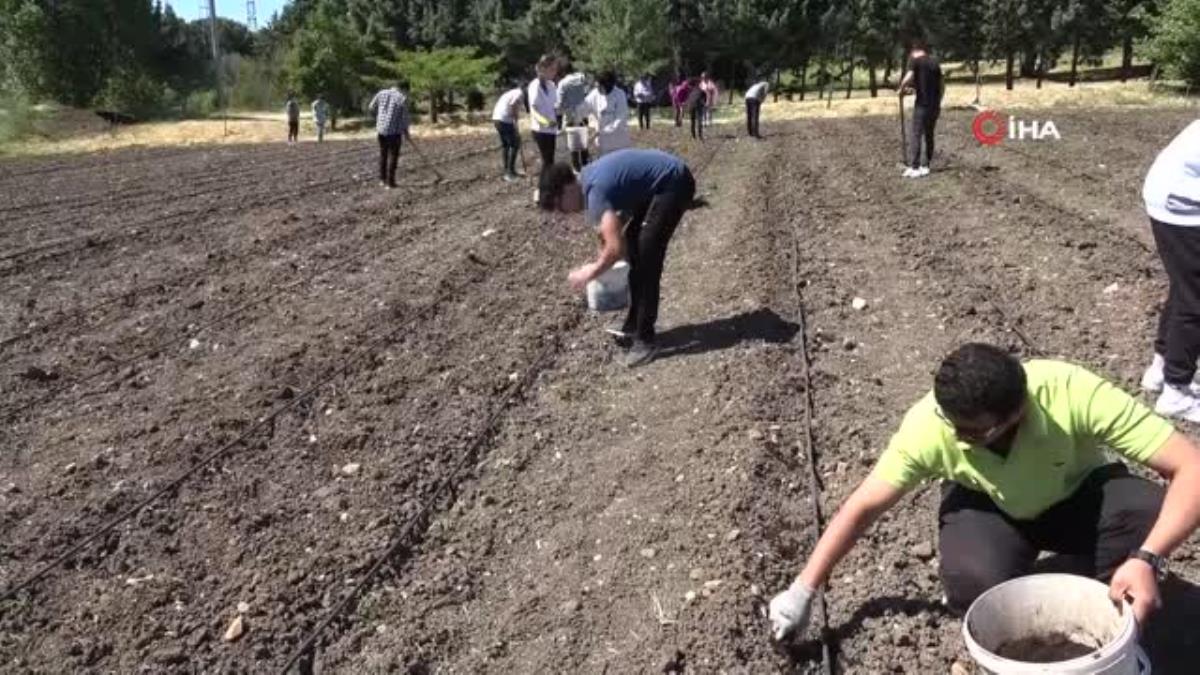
x: 216, y: 57
x: 251, y: 16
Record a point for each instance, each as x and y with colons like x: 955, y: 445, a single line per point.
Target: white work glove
x: 791, y: 609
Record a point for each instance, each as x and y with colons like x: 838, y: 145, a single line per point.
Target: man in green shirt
x: 1020, y: 448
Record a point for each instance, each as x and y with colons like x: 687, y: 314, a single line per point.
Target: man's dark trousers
x: 389, y: 156
x: 1179, y: 322
x: 646, y: 239
x: 924, y: 122
x: 753, y: 110
x: 1108, y: 517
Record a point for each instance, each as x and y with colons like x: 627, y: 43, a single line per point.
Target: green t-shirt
x: 1070, y: 414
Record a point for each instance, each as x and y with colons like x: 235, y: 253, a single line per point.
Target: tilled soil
x: 336, y: 371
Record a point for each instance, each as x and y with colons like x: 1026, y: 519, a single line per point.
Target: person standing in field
x: 755, y: 95
x: 572, y: 95
x: 711, y: 95
x: 1172, y: 197
x: 643, y: 95
x: 291, y: 108
x: 924, y: 77
x: 320, y: 111
x: 390, y: 107
x: 543, y: 116
x: 679, y: 94
x: 505, y: 116
x: 635, y: 199
x: 609, y: 106
x: 1020, y: 450
x: 697, y: 106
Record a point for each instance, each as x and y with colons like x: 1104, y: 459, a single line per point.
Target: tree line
x: 136, y: 55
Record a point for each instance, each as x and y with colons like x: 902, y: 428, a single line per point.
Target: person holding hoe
x: 390, y: 107
x: 635, y: 200
x: 924, y: 77
x: 1020, y: 450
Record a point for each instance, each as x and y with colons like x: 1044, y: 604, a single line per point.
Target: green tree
x: 1175, y: 40
x: 438, y: 72
x: 624, y: 35
x: 326, y: 57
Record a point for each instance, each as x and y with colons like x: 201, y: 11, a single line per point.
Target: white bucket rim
x: 1104, y: 656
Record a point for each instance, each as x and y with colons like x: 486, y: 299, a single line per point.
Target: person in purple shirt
x: 635, y: 200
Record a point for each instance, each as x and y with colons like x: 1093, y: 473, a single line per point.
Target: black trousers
x: 1179, y: 322
x: 1109, y: 516
x: 696, y: 115
x: 753, y: 111
x: 293, y: 130
x: 646, y: 239
x: 389, y: 156
x: 510, y: 145
x: 678, y: 115
x: 643, y: 115
x: 545, y: 145
x: 924, y: 122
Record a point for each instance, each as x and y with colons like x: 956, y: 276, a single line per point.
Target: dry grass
x: 1024, y: 95
x: 78, y: 131
x: 88, y: 133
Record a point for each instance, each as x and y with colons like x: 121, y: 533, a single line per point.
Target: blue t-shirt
x: 626, y: 180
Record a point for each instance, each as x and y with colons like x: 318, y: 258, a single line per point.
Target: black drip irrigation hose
x: 814, y: 479
x: 405, y: 533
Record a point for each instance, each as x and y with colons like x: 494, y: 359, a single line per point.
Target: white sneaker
x: 910, y: 172
x: 1152, y: 379
x: 923, y: 171
x: 1179, y: 404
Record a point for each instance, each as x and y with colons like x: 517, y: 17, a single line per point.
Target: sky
x: 230, y: 9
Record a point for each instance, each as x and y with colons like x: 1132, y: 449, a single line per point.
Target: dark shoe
x: 640, y: 353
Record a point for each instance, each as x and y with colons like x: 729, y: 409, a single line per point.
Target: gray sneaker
x: 640, y: 353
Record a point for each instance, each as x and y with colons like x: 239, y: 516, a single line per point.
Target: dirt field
x: 305, y: 372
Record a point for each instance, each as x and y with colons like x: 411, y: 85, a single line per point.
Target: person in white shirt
x: 320, y: 111
x: 643, y: 95
x: 543, y: 116
x: 572, y: 92
x: 608, y: 105
x: 755, y: 96
x: 505, y: 116
x: 1172, y: 197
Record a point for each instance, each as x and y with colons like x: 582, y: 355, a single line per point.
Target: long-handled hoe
x: 424, y: 158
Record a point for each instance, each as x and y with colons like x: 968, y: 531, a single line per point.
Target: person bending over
x: 635, y: 200
x: 1020, y: 450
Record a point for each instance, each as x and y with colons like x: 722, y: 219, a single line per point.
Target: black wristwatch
x: 1157, y: 562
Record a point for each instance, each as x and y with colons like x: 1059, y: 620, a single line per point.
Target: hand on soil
x: 790, y: 610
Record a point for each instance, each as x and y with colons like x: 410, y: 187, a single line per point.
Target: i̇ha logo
x: 990, y: 127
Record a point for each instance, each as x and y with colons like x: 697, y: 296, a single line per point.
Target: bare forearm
x: 1180, y: 515
x: 841, y: 535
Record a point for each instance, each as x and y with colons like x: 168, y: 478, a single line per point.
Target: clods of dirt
x: 1045, y: 648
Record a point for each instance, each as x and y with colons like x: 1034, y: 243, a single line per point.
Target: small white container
x: 1048, y: 604
x: 577, y: 138
x: 610, y: 291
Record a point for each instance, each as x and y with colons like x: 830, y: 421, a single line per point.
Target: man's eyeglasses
x: 980, y: 436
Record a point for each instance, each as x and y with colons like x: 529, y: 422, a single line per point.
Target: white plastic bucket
x: 610, y: 291
x: 577, y: 138
x: 1042, y: 605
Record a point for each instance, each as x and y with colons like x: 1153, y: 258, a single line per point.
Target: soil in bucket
x: 1044, y: 649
